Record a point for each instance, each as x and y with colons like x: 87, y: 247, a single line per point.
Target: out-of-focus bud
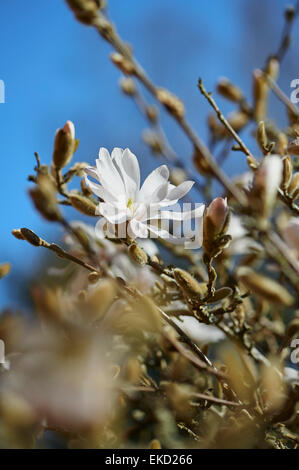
x: 64, y: 145
x: 179, y: 397
x: 267, y: 179
x: 287, y: 172
x: 4, y: 269
x: 190, y: 286
x: 171, y: 102
x: 155, y: 444
x: 94, y: 276
x: 85, y: 10
x: 127, y: 85
x: 83, y: 204
x: 272, y: 68
x: 177, y: 176
x: 290, y: 12
x: 124, y: 64
x: 293, y: 147
x: 238, y: 120
x: 293, y: 328
x: 43, y: 196
x: 152, y: 113
x: 260, y: 95
x: 240, y: 373
x: 137, y: 254
x: 153, y: 140
x: 263, y: 287
x: 272, y: 388
x: 200, y: 163
x: 293, y: 189
x: 230, y: 91
x: 47, y: 303
x: 261, y: 136
x: 99, y: 298
x: 17, y: 412
x: 291, y: 234
x: 282, y: 143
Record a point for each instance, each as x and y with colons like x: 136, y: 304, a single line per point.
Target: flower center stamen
x: 130, y: 203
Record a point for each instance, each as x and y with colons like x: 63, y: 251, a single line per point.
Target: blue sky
x: 56, y: 69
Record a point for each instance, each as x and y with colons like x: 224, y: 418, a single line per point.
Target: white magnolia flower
x: 128, y: 208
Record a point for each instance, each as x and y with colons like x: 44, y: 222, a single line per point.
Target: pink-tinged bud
x: 69, y: 128
x: 215, y: 224
x: 217, y: 212
x: 265, y: 185
x: 64, y: 145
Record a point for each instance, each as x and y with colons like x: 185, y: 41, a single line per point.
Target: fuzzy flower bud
x: 127, y: 85
x: 43, y: 196
x: 260, y: 95
x: 125, y: 65
x: 83, y: 204
x: 261, y: 136
x: 64, y: 145
x: 189, y: 285
x: 85, y: 10
x: 229, y: 90
x: 137, y: 254
x: 171, y: 102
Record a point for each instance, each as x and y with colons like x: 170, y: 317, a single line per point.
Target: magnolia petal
x: 112, y: 213
x: 158, y: 194
x: 107, y: 172
x: 155, y: 179
x: 92, y: 171
x: 100, y: 191
x: 180, y: 191
x: 181, y: 216
x: 132, y: 171
x: 137, y: 229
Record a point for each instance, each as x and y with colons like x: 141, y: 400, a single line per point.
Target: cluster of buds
x: 215, y: 225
